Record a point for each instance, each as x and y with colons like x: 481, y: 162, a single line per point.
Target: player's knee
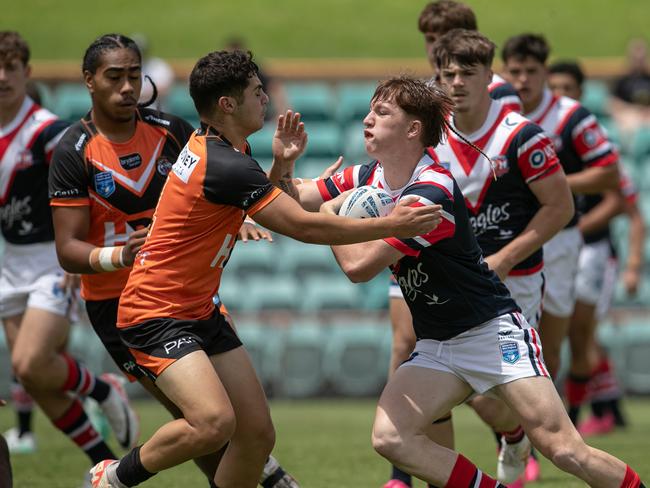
x: 213, y: 429
x: 258, y: 435
x: 28, y: 370
x: 387, y: 442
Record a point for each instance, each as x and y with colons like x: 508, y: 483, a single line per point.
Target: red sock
x: 631, y: 479
x: 75, y: 424
x: 576, y: 390
x: 514, y: 436
x: 82, y: 382
x: 466, y: 475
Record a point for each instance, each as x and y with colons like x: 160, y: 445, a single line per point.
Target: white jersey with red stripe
x: 446, y: 284
x: 504, y: 93
x: 26, y: 146
x: 499, y: 199
x: 579, y: 140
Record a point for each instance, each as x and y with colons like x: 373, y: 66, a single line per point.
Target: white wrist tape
x: 107, y: 258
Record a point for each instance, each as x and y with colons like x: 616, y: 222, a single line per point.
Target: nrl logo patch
x: 509, y: 352
x: 104, y: 184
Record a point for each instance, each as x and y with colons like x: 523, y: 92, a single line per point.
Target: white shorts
x: 609, y: 286
x: 560, y: 268
x: 528, y: 292
x: 394, y: 291
x: 592, y: 266
x: 499, y: 351
x: 30, y: 278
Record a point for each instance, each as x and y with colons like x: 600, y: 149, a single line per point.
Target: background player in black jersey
x: 111, y: 69
x: 35, y: 296
x: 467, y: 325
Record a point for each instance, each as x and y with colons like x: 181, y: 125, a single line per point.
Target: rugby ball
x: 367, y: 202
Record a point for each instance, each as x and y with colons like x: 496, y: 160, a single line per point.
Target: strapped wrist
x: 103, y: 259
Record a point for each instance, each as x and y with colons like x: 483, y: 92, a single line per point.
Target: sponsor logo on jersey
x: 490, y: 218
x: 72, y: 192
x: 80, y: 142
x: 185, y: 164
x: 411, y: 285
x: 256, y: 195
x: 15, y: 210
x: 501, y: 166
x: 537, y: 158
x: 163, y: 166
x: 509, y: 351
x: 24, y: 159
x: 104, y: 184
x: 131, y: 161
x: 157, y: 120
x: 590, y: 136
x: 510, y: 122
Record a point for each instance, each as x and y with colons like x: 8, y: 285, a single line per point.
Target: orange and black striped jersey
x: 211, y: 187
x: 120, y: 182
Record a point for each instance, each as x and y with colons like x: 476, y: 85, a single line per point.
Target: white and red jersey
x: 26, y: 146
x: 580, y: 142
x: 504, y: 93
x: 498, y: 198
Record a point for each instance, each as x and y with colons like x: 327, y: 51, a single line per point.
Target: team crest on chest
x: 509, y: 352
x: 501, y: 166
x: 24, y: 159
x: 163, y: 166
x: 104, y: 184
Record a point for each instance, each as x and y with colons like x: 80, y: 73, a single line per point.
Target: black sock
x: 398, y: 474
x: 273, y: 478
x: 573, y: 414
x: 24, y: 422
x: 130, y: 471
x: 615, y: 408
x: 497, y: 436
x: 599, y: 408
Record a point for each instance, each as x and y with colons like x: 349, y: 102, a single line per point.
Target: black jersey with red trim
x: 499, y: 199
x: 120, y: 182
x: 579, y: 140
x: 210, y: 190
x: 26, y: 145
x: 447, y: 285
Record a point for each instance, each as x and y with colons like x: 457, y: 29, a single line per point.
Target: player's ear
x: 88, y: 81
x: 415, y: 129
x: 227, y: 104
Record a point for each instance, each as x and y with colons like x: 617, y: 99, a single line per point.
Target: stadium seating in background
x: 320, y: 294
x: 263, y: 343
x: 260, y: 143
x: 324, y: 140
x: 629, y: 348
x: 354, y: 147
x: 301, y: 361
x: 353, y: 354
x: 254, y: 257
x: 640, y: 147
x: 302, y: 261
x: 179, y: 103
x: 314, y: 101
x: 353, y: 102
x: 72, y: 101
x: 595, y: 96
x: 276, y: 292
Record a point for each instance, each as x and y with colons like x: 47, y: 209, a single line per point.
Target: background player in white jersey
x: 595, y: 280
x: 589, y: 161
x: 35, y: 298
x: 517, y: 200
x: 457, y: 303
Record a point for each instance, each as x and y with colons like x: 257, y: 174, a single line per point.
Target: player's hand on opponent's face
x: 334, y: 205
x: 290, y: 138
x: 133, y: 244
x: 414, y: 221
x: 332, y: 169
x: 250, y: 230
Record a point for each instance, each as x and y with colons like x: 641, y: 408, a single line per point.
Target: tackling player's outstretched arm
x: 285, y: 216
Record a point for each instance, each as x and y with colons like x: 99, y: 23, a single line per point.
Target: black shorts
x: 103, y: 317
x: 158, y: 343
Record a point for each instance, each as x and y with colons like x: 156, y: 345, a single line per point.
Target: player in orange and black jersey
x: 106, y: 178
x: 166, y: 315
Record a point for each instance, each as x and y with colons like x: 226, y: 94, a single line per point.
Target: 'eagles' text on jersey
x: 120, y: 182
x: 211, y: 188
x: 446, y: 284
x: 499, y: 200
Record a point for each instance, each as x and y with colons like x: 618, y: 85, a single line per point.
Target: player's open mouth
x: 367, y: 134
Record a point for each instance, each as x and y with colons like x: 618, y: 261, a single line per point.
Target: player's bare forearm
x: 598, y: 218
x: 594, y: 180
x: 281, y: 175
x: 636, y: 238
x: 362, y: 262
x: 71, y: 225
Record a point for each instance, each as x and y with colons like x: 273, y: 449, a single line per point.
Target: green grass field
x: 324, y: 443
x: 310, y: 29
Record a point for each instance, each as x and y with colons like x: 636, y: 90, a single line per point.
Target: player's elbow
x: 566, y: 210
x: 357, y: 272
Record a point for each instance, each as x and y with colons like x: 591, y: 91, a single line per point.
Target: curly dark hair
x: 219, y: 74
x: 526, y: 45
x: 442, y: 16
x: 429, y: 104
x: 13, y: 46
x: 107, y: 42
x: 465, y: 47
x: 571, y: 68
